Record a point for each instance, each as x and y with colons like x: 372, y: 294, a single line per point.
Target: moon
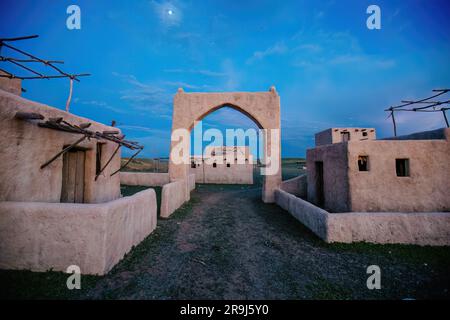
x: 170, y: 12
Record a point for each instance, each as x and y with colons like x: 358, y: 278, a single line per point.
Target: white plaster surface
x: 173, y: 196
x: 25, y: 147
x: 296, y: 186
x: 424, y: 228
x: 148, y: 179
x: 40, y: 236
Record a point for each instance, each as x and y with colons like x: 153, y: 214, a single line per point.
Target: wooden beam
x: 63, y: 151
x: 106, y: 164
x: 29, y: 115
x: 129, y: 160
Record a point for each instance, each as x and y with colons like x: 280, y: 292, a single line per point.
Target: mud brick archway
x: 262, y: 107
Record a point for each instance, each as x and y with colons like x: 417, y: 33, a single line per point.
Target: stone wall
x: 40, y: 236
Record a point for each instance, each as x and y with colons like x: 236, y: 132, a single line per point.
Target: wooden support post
x: 63, y: 151
x: 110, y: 159
x: 129, y: 160
x: 29, y: 116
x: 445, y: 117
x: 393, y: 121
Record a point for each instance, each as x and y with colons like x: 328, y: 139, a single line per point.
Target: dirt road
x: 227, y: 244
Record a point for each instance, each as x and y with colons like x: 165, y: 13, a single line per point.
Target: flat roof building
x: 402, y: 174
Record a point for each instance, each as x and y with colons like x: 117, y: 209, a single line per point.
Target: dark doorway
x: 402, y: 167
x: 320, y: 196
x: 345, y: 136
x: 73, y: 176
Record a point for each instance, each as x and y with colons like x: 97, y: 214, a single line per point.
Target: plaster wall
x: 335, y: 176
x: 25, y: 147
x: 144, y: 179
x: 334, y: 135
x: 173, y: 196
x: 314, y: 218
x: 13, y: 86
x: 297, y: 186
x: 423, y: 228
x: 427, y: 189
x: 191, y: 180
x: 234, y: 165
x: 40, y: 236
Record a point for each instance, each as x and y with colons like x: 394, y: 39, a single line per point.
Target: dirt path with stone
x: 227, y: 244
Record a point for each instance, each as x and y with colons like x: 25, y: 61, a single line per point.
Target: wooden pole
x: 129, y: 160
x: 110, y: 159
x: 63, y: 151
x: 445, y: 117
x: 70, y: 95
x: 393, y: 121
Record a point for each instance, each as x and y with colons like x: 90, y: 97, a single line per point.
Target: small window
x: 228, y: 165
x: 402, y: 167
x: 193, y: 164
x: 345, y: 136
x: 363, y: 163
x: 214, y: 165
x: 364, y: 134
x: 98, y: 158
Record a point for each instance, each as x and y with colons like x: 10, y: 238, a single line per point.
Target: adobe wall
x: 427, y: 189
x: 314, y: 218
x: 25, y: 147
x: 40, y: 236
x: 148, y: 179
x: 174, y: 195
x: 423, y: 228
x: 334, y: 135
x: 297, y: 186
x: 221, y: 174
x: 335, y: 176
x: 191, y: 182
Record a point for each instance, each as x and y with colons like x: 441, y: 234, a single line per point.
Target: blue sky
x: 329, y: 69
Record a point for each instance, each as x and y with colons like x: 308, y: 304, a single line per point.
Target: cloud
x: 101, y: 104
x: 277, y: 48
x: 147, y: 97
x: 155, y: 132
x: 208, y: 73
x: 362, y: 58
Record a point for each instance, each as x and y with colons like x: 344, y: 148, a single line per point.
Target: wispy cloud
x: 277, y: 48
x: 149, y: 97
x: 102, y: 104
x: 208, y: 73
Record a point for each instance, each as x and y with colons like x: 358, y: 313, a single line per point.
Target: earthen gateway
x: 262, y: 107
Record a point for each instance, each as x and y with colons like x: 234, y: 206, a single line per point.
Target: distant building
x: 336, y: 135
x: 349, y: 170
x: 227, y: 165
